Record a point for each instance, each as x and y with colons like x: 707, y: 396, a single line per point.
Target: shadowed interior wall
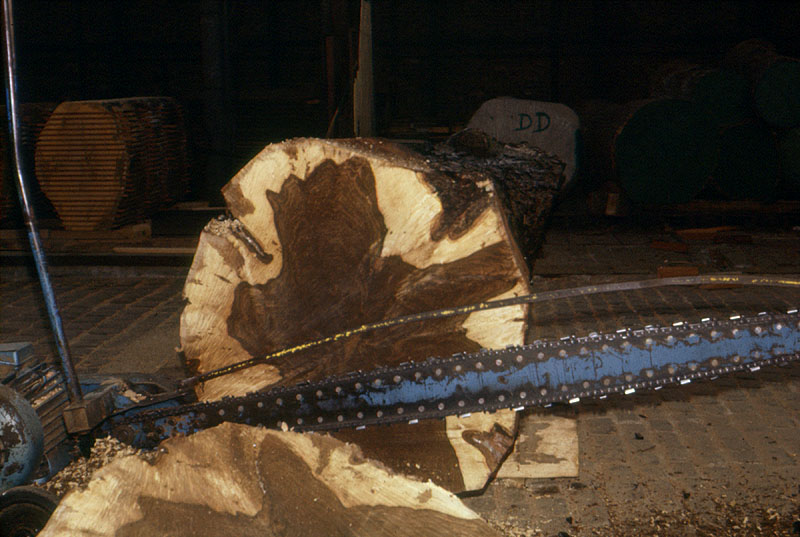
x: 435, y: 62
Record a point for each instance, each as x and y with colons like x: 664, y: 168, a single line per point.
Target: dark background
x: 248, y: 73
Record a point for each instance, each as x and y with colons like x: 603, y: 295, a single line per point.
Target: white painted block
x: 553, y: 127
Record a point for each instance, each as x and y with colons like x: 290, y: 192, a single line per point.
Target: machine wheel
x: 21, y: 439
x: 24, y: 511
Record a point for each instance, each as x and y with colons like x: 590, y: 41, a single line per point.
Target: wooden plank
x: 718, y: 207
x: 704, y: 233
x: 677, y: 271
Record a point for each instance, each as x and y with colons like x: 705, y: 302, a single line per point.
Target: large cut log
x: 239, y: 480
x: 104, y: 164
x: 774, y: 80
x: 724, y: 94
x: 325, y: 236
x: 660, y: 151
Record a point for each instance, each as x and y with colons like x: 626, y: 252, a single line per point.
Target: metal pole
x: 35, y: 240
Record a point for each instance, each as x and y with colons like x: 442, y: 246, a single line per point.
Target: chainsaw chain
x: 537, y: 374
x: 558, y: 294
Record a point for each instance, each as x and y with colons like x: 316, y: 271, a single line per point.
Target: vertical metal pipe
x: 35, y: 240
x: 217, y: 103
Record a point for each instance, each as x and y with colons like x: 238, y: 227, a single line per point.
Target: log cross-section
x: 324, y: 236
x: 240, y: 480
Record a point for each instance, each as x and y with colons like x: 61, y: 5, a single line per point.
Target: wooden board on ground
x: 553, y: 127
x: 546, y: 447
x: 328, y: 235
x: 240, y: 480
x: 62, y: 240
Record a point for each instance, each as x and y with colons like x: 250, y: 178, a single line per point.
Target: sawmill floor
x: 707, y: 459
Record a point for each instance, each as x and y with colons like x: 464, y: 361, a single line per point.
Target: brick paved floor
x: 115, y: 320
x: 700, y: 459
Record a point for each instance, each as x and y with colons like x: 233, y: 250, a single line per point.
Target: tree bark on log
x: 240, y: 480
x: 552, y: 127
x: 325, y: 236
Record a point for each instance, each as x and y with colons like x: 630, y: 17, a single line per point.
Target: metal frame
x: 73, y: 387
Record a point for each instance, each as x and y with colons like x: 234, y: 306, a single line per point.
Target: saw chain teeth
x: 567, y: 370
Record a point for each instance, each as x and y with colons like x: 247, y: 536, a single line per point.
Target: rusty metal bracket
x: 84, y: 416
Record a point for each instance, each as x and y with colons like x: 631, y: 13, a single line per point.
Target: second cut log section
x: 325, y: 236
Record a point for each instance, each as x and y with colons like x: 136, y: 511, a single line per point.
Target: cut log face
x: 240, y: 480
x: 329, y: 235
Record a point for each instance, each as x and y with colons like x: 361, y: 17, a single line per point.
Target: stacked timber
x: 104, y: 164
x: 747, y: 167
x: 32, y: 118
x: 327, y: 235
x: 709, y: 130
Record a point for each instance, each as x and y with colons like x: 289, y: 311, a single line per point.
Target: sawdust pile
x: 729, y: 521
x: 79, y: 472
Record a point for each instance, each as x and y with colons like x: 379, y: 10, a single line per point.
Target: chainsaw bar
x: 538, y: 374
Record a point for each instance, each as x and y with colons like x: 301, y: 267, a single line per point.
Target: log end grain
x: 326, y: 236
